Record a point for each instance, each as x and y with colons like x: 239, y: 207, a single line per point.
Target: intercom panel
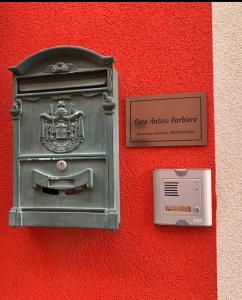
x: 182, y: 197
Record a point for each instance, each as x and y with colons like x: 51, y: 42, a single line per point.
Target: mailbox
x: 66, y: 157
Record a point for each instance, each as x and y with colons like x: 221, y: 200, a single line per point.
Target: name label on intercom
x: 166, y: 120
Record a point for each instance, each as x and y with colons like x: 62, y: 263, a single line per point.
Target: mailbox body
x: 66, y: 157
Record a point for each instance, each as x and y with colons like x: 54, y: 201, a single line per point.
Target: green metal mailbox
x: 66, y: 157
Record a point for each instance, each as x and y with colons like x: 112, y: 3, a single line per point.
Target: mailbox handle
x: 78, y: 180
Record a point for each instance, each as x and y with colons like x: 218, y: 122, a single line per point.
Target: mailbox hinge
x: 16, y: 110
x: 111, y: 219
x: 15, y: 217
x: 108, y: 103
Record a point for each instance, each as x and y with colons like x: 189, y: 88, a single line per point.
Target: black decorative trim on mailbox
x: 62, y: 128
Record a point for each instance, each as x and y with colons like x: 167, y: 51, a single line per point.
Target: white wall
x: 227, y: 50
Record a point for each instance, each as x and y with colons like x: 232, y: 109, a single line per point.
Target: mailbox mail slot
x: 78, y: 80
x: 65, y: 115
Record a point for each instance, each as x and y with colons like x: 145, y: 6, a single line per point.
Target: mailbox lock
x: 61, y: 165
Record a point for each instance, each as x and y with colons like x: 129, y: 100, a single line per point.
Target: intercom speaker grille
x: 171, y: 188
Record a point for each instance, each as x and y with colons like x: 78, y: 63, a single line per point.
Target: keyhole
x: 61, y: 165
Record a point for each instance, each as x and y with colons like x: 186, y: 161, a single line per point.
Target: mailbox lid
x: 60, y: 60
x: 82, y: 185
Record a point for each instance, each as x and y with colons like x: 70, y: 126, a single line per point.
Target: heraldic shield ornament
x: 62, y: 128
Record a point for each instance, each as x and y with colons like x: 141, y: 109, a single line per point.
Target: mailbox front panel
x: 81, y: 131
x: 65, y: 114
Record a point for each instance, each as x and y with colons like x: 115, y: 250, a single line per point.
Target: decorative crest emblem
x: 61, y: 67
x: 62, y: 129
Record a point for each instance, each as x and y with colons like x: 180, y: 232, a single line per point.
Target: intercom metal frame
x: 182, y: 197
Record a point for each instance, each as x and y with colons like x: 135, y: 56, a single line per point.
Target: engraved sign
x: 166, y: 120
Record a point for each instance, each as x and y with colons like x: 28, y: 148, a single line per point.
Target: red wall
x: 159, y: 48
